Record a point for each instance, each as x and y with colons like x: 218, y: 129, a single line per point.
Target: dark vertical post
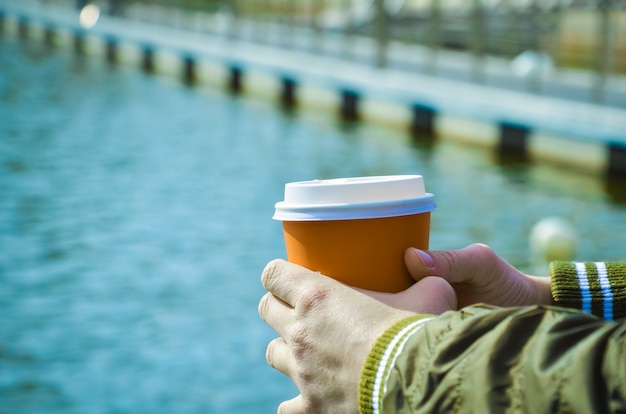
x: 49, y: 36
x: 189, y: 70
x: 79, y: 42
x: 288, y: 94
x: 235, y: 82
x: 147, y: 63
x: 22, y: 29
x: 423, y: 120
x: 349, y: 105
x: 111, y: 50
x: 617, y: 159
x: 514, y: 138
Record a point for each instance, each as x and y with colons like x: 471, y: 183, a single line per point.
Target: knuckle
x: 481, y: 247
x: 300, y: 337
x: 301, y: 341
x: 482, y: 252
x: 313, y: 298
x: 305, y: 349
x: 304, y: 375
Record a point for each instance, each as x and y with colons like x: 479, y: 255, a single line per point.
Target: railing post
x: 233, y: 30
x: 291, y: 23
x: 534, y: 81
x: 382, y: 35
x: 478, y: 41
x: 553, y: 41
x: 317, y: 7
x: 269, y: 24
x: 602, y: 57
x: 434, y: 38
x: 348, y: 32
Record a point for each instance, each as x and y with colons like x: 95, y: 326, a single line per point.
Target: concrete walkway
x: 565, y: 131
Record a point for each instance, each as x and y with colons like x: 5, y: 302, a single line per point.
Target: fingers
x: 293, y: 406
x: 432, y: 295
x: 326, y: 328
x: 456, y: 266
x: 276, y: 313
x: 274, y: 280
x: 286, y: 280
x: 297, y: 286
x: 279, y: 356
x: 478, y: 274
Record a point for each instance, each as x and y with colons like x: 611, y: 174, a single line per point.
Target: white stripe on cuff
x: 607, y: 293
x: 583, y: 283
x: 388, y: 360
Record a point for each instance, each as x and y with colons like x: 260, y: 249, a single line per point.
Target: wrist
x: 542, y: 289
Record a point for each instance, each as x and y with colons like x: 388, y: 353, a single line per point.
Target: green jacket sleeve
x: 485, y: 359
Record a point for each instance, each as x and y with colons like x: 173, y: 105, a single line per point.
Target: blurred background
x: 544, y: 44
x: 135, y: 209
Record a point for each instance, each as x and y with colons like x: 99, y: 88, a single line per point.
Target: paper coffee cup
x: 356, y: 229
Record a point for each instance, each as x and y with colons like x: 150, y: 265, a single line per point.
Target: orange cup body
x: 366, y: 253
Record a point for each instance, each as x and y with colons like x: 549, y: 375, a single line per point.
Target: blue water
x: 135, y: 222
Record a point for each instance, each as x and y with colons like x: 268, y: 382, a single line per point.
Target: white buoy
x: 532, y: 65
x: 552, y: 239
x: 89, y: 16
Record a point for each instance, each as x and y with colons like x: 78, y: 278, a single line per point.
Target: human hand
x: 479, y: 275
x: 327, y: 329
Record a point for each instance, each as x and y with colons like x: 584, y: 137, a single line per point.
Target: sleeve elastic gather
x: 382, y: 358
x: 598, y: 288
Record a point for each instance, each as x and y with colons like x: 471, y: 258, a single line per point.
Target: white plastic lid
x: 354, y: 198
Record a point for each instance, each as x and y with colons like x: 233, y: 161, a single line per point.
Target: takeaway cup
x: 356, y: 229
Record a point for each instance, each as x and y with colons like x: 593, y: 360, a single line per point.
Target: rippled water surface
x: 135, y: 221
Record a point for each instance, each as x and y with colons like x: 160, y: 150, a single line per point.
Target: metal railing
x: 525, y: 42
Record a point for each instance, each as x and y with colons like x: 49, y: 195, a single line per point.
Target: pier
x: 143, y: 149
x: 573, y: 118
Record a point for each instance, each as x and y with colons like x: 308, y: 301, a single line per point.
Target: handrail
x: 537, y: 46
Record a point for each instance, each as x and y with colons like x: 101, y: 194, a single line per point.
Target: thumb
x: 456, y: 266
x: 432, y: 295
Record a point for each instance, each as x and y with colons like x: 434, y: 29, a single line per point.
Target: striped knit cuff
x: 598, y: 288
x: 381, y: 360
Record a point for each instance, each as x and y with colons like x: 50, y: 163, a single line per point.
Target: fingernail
x: 427, y: 260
